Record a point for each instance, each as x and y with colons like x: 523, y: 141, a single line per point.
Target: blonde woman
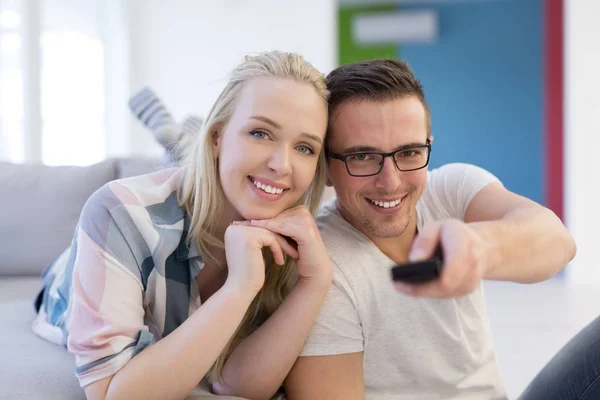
x: 190, y: 272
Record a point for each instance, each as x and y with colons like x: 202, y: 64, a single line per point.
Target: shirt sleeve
x: 454, y: 185
x: 337, y: 329
x: 106, y: 317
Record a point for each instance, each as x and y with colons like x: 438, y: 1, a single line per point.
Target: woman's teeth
x: 267, y: 188
x: 386, y: 204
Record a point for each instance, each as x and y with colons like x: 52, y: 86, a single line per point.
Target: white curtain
x: 12, y: 145
x: 61, y: 64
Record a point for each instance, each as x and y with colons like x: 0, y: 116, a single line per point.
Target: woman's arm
x: 259, y: 365
x: 173, y: 366
x: 107, y: 313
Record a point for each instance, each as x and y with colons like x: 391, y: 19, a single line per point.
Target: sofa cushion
x: 126, y: 167
x: 19, y: 287
x: 39, y: 210
x: 32, y: 368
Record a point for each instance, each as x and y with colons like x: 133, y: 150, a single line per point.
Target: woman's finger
x: 286, y: 246
x: 243, y: 223
x: 277, y: 243
x: 295, y: 228
x: 272, y: 243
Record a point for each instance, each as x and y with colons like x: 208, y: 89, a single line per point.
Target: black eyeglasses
x: 367, y: 163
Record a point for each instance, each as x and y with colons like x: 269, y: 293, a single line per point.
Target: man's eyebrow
x: 360, y: 148
x: 275, y: 125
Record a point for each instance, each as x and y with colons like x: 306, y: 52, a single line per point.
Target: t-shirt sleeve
x: 106, y: 320
x: 337, y: 329
x: 453, y: 186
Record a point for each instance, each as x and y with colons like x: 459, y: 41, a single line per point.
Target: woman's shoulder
x: 142, y: 190
x: 139, y: 200
x: 147, y: 189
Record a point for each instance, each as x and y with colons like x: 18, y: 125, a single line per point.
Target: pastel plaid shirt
x: 128, y: 278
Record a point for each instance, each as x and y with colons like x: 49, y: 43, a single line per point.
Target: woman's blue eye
x: 259, y: 134
x: 305, y: 149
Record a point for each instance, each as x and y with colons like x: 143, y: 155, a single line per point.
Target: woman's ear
x: 215, y: 142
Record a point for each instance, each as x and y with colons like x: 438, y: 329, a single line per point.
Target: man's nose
x: 389, y: 178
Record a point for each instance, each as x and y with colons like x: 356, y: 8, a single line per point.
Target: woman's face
x: 268, y: 151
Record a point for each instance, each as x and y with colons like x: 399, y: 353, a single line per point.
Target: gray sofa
x: 39, y: 208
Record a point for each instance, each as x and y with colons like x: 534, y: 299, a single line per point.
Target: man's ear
x: 431, y: 139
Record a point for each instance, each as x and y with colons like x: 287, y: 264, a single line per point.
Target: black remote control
x: 420, y: 271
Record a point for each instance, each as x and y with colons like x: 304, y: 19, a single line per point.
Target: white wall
x: 184, y: 49
x: 582, y: 136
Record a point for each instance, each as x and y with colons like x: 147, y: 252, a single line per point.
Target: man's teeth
x: 267, y: 188
x: 386, y: 204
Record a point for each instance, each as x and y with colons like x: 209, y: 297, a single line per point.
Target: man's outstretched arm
x: 504, y: 236
x: 525, y: 241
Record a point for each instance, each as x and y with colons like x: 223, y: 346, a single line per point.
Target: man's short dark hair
x: 375, y: 80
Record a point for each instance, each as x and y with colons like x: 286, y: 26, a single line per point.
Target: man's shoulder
x: 450, y: 170
x: 452, y: 175
x: 449, y: 190
x: 351, y: 251
x: 337, y: 233
x: 327, y: 213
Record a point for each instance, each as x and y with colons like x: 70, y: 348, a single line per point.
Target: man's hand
x: 464, y: 260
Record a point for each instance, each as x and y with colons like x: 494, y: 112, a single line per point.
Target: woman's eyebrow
x: 277, y: 126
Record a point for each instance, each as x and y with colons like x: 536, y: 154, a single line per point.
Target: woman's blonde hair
x: 202, y: 194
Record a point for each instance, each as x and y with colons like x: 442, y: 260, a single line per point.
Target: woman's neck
x: 217, y: 253
x: 228, y: 215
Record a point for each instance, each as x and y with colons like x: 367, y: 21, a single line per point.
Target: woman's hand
x: 243, y: 249
x: 298, y: 224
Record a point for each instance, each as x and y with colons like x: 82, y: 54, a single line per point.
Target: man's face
x: 381, y: 127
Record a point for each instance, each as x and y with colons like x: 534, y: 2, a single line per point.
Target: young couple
x: 216, y: 270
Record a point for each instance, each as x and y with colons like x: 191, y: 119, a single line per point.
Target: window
x: 12, y: 144
x: 70, y: 95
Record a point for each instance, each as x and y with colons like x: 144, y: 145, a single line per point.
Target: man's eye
x: 359, y: 157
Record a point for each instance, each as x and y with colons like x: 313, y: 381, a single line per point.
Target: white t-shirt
x: 414, y: 348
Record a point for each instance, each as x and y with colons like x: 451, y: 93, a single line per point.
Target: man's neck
x: 397, y: 248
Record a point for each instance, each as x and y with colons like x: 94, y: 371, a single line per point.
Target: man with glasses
x: 378, y: 340
x: 408, y: 158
